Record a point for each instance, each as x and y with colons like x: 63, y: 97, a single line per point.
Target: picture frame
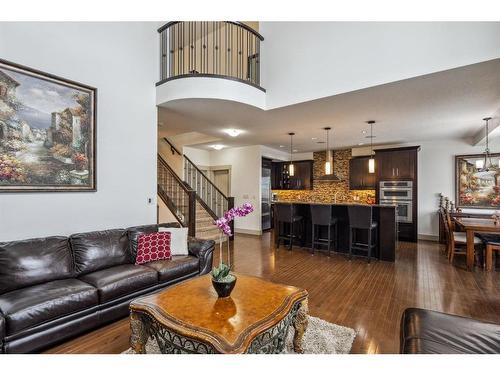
x: 475, y: 188
x: 47, y: 132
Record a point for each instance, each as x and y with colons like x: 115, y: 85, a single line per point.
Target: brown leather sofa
x: 432, y: 332
x: 55, y: 288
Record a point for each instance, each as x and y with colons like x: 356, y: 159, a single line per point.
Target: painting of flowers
x: 47, y: 132
x: 477, y: 181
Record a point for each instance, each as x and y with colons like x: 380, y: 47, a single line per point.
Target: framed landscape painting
x: 47, y: 132
x: 476, y: 188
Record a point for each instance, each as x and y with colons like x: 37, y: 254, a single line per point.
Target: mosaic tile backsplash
x: 324, y: 191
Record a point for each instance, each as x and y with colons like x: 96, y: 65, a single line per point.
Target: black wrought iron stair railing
x: 179, y: 198
x: 222, y: 49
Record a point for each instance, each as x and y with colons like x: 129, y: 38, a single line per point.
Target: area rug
x: 321, y: 337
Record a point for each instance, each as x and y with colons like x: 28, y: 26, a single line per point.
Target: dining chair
x: 457, y: 241
x: 492, y: 243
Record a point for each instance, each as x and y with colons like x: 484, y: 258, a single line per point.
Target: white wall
x: 121, y: 61
x: 303, y: 61
x: 436, y: 174
x: 197, y: 156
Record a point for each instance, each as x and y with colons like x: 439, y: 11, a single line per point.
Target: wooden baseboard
x: 428, y: 237
x: 248, y: 231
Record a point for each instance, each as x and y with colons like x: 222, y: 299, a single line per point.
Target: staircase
x: 194, y: 201
x: 205, y: 227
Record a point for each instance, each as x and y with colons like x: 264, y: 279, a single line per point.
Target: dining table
x: 473, y: 226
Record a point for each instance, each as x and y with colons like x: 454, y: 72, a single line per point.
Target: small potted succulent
x: 222, y: 278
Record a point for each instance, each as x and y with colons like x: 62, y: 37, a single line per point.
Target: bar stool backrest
x: 360, y: 216
x: 321, y: 214
x: 285, y: 212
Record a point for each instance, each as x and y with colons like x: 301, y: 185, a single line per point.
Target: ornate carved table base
x: 271, y: 341
x: 189, y: 318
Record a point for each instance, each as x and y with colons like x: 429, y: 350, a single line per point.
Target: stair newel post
x: 230, y: 205
x: 192, y: 213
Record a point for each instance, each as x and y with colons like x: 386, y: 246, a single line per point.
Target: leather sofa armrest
x: 2, y: 332
x: 203, y: 250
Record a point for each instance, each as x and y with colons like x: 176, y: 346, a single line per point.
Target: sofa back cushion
x: 34, y: 261
x: 135, y: 232
x: 95, y: 251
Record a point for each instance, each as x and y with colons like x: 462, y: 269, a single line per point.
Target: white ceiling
x: 444, y: 105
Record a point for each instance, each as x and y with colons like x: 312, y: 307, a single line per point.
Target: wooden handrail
x: 172, y: 147
x: 237, y: 23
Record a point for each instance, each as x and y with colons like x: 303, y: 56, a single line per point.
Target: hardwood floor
x: 367, y: 297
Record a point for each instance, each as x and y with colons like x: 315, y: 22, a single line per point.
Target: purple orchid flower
x: 223, y: 222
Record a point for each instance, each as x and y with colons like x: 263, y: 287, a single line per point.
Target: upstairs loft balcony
x: 224, y: 49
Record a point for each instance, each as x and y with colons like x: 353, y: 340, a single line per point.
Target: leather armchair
x: 432, y: 332
x: 203, y: 250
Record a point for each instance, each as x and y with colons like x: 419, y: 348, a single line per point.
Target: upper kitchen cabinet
x: 359, y: 178
x: 302, y: 179
x: 396, y: 163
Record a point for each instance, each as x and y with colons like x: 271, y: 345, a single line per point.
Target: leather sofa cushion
x: 98, y: 250
x: 117, y: 281
x: 135, y: 232
x: 30, y: 262
x: 178, y: 266
x: 432, y: 332
x: 34, y: 305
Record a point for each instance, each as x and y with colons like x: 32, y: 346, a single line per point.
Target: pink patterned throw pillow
x: 153, y: 246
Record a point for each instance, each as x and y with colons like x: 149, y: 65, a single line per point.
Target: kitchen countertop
x: 335, y: 204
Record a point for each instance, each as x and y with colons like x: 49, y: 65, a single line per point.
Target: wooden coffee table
x: 189, y: 318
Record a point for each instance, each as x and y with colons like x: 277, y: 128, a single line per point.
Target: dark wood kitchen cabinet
x: 302, y: 179
x: 359, y: 178
x: 396, y: 164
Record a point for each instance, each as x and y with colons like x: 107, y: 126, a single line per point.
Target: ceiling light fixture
x: 217, y: 147
x: 233, y: 132
x: 291, y: 167
x: 484, y: 165
x: 371, y: 161
x: 328, y: 156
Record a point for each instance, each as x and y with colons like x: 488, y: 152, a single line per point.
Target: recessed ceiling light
x: 233, y: 132
x: 217, y: 147
x: 314, y: 138
x: 360, y: 144
x: 295, y: 150
x: 364, y: 132
x: 281, y: 146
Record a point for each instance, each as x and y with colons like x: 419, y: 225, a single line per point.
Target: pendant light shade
x: 371, y: 165
x: 328, y: 155
x: 371, y: 161
x: 291, y: 167
x: 485, y: 164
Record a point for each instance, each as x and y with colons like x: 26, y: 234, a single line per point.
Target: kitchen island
x: 385, y: 216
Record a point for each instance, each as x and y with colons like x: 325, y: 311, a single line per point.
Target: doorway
x: 222, y: 179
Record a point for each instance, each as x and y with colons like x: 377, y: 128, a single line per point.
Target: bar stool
x: 321, y: 215
x: 361, y: 218
x: 287, y: 214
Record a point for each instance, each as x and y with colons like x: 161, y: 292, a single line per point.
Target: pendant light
x: 371, y: 161
x: 328, y: 156
x: 484, y: 165
x: 291, y: 167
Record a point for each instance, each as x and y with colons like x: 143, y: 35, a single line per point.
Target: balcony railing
x: 221, y: 49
